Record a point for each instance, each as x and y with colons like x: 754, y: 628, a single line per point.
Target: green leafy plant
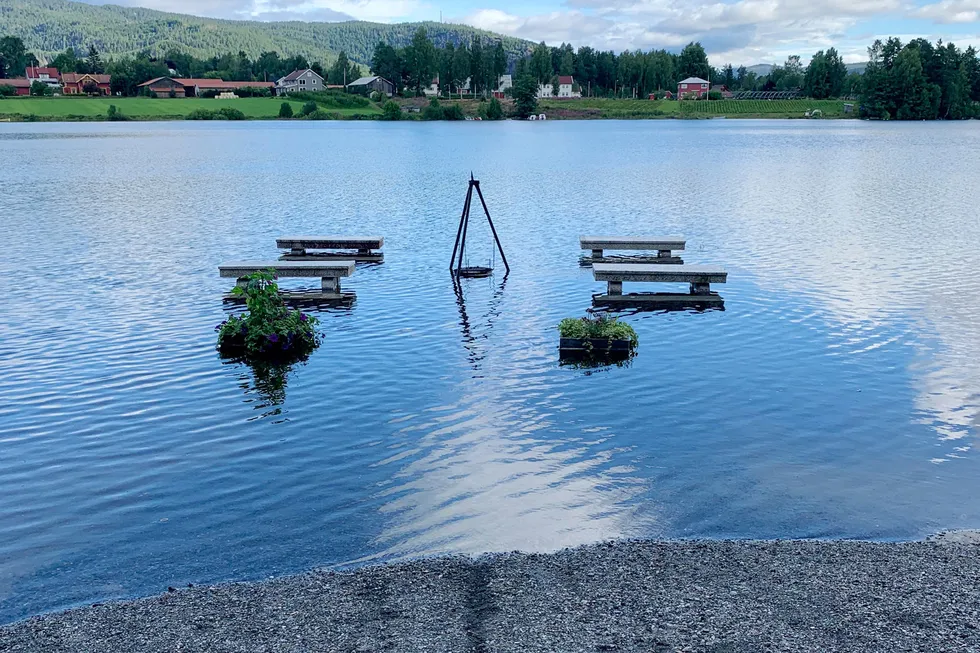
x: 269, y: 330
x: 308, y: 108
x: 391, y: 111
x: 286, y: 110
x: 597, y: 327
x: 453, y: 112
x: 495, y: 111
x: 434, y: 111
x: 229, y: 113
x: 200, y: 114
x: 115, y: 114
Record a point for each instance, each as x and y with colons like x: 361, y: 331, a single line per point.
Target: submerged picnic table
x: 362, y: 248
x: 663, y: 245
x: 700, y: 278
x: 329, y: 272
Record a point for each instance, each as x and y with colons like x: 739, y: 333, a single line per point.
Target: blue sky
x: 732, y: 31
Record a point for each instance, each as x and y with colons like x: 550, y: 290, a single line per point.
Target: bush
x: 434, y: 111
x: 714, y: 95
x: 229, y: 113
x: 308, y: 108
x: 495, y: 110
x: 200, y: 114
x: 6, y: 90
x: 286, y: 110
x: 376, y: 96
x: 597, y: 327
x: 115, y: 114
x: 454, y: 112
x: 253, y: 91
x: 320, y: 114
x: 333, y: 99
x: 391, y: 111
x: 268, y: 330
x: 40, y: 88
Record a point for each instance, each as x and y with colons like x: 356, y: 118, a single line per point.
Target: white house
x: 299, y: 80
x: 505, y: 82
x: 565, y: 85
x: 432, y: 90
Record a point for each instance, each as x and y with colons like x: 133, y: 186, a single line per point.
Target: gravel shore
x: 624, y: 596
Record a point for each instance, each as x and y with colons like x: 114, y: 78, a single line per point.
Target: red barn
x: 22, y: 86
x: 78, y: 84
x: 692, y: 88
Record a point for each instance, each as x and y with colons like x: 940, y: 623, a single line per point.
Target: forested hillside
x: 48, y: 27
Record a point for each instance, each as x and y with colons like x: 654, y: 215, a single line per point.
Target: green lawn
x: 610, y: 108
x: 140, y: 107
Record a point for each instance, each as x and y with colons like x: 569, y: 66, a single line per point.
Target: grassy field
x: 597, y: 108
x: 154, y: 108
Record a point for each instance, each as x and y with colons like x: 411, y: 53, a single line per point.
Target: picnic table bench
x: 329, y: 272
x: 361, y: 248
x: 663, y: 245
x: 700, y: 278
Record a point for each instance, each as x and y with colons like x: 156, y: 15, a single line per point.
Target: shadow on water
x: 475, y: 352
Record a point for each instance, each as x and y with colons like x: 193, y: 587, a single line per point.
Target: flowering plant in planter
x: 599, y: 327
x: 269, y: 330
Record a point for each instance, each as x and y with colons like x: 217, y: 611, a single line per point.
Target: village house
x: 182, y: 87
x: 81, y: 83
x: 21, y: 85
x: 692, y: 88
x: 300, y: 80
x: 370, y: 84
x: 566, y: 88
x: 47, y: 76
x: 432, y: 90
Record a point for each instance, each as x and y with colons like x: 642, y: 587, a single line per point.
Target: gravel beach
x: 624, y: 596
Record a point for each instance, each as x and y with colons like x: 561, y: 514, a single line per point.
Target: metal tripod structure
x: 456, y: 266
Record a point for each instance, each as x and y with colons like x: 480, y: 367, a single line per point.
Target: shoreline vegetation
x: 94, y: 109
x: 639, y: 595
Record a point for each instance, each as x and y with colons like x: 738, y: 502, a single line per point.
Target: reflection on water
x: 435, y: 417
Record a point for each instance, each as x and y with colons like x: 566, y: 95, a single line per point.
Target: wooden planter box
x: 594, y: 347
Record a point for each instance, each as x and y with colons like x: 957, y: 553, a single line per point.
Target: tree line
x: 415, y: 66
x: 128, y: 72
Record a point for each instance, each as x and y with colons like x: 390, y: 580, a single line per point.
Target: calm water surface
x: 836, y: 396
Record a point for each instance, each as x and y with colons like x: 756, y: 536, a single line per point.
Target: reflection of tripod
x: 470, y: 340
x: 460, y: 245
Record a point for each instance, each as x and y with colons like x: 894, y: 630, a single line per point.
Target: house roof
x: 363, y: 81
x: 210, y: 83
x: 79, y: 78
x: 693, y: 80
x: 16, y: 82
x: 566, y: 79
x: 37, y: 71
x: 296, y: 75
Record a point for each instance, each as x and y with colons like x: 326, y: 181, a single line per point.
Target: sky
x: 741, y: 32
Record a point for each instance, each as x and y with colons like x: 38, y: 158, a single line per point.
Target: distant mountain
x: 49, y: 26
x: 761, y: 69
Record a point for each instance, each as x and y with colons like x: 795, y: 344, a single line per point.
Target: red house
x: 22, y: 86
x: 80, y: 83
x: 692, y: 88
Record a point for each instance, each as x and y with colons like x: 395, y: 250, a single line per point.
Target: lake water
x: 837, y: 396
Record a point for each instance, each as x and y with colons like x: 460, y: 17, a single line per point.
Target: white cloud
x: 745, y: 31
x: 950, y: 11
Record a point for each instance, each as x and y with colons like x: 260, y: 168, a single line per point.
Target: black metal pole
x: 459, y: 230
x: 466, y: 225
x: 492, y: 228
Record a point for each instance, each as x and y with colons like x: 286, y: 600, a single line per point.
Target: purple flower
x: 273, y: 337
x: 302, y: 317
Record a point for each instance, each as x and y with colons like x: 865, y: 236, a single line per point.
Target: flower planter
x: 594, y: 345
